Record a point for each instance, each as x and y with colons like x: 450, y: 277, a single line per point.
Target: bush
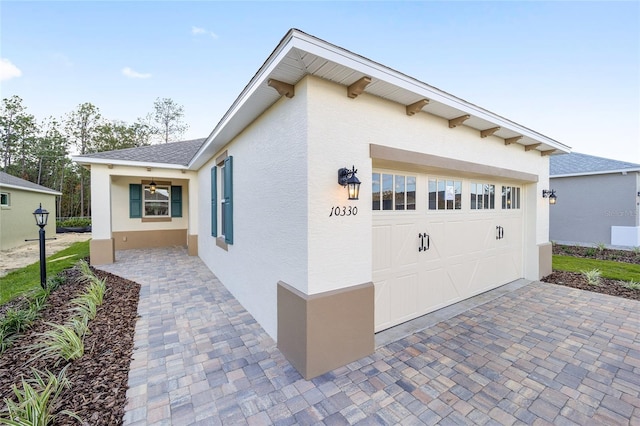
x: 592, y: 276
x: 74, y: 222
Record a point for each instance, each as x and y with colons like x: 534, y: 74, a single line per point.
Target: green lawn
x: 28, y: 278
x: 609, y: 269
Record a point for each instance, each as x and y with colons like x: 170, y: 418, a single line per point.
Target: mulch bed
x: 626, y: 256
x: 98, y: 379
x: 577, y: 280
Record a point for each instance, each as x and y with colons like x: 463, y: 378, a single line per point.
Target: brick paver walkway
x: 541, y: 354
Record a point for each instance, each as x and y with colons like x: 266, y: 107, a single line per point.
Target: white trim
x: 128, y: 163
x: 23, y: 188
x: 602, y: 172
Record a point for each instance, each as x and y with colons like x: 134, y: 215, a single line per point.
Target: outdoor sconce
x: 348, y: 178
x: 551, y: 194
x: 42, y: 216
x: 152, y: 187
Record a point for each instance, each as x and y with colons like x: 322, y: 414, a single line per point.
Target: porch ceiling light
x: 551, y: 194
x: 152, y: 187
x: 348, y: 178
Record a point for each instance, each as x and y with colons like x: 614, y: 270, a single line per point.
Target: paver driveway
x: 540, y: 354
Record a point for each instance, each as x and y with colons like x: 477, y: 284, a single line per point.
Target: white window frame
x: 147, y: 187
x: 511, y: 197
x: 7, y: 197
x: 437, y: 181
x: 472, y: 191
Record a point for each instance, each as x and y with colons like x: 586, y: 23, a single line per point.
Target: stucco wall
x: 340, y: 132
x: 269, y: 213
x: 17, y: 222
x: 285, y: 184
x: 588, y: 206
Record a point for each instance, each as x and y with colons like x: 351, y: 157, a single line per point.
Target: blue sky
x: 569, y: 70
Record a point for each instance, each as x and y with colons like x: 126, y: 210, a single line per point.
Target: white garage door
x: 441, y: 239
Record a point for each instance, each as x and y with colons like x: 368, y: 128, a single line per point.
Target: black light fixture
x: 152, y: 187
x: 551, y: 194
x: 348, y: 178
x: 42, y: 216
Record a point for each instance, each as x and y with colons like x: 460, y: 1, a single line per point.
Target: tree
x: 18, y: 131
x: 81, y: 129
x: 120, y: 135
x: 167, y: 119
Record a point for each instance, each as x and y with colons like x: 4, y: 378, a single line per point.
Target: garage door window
x: 445, y: 194
x: 393, y: 192
x: 483, y: 196
x: 510, y: 197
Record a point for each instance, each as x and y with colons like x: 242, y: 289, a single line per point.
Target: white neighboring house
x: 18, y: 200
x: 598, y: 201
x: 450, y: 203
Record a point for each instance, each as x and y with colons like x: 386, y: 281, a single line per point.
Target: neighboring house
x: 18, y: 200
x: 598, y: 201
x: 450, y: 203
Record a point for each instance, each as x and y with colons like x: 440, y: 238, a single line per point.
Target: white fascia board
x: 106, y: 161
x: 23, y: 188
x: 381, y: 72
x: 601, y: 172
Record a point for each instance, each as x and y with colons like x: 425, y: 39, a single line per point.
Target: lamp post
x: 42, y: 216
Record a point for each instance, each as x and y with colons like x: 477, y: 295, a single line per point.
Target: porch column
x: 102, y: 244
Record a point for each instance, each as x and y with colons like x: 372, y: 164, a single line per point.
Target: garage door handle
x: 499, y: 232
x: 422, y: 246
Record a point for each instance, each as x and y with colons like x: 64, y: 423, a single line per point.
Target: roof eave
x: 24, y: 188
x: 297, y: 39
x: 105, y: 161
x: 599, y: 172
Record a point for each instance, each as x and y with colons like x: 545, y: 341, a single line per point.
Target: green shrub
x: 590, y: 251
x: 74, y: 222
x: 60, y: 343
x: 633, y: 285
x: 36, y: 401
x: 636, y: 250
x: 84, y: 306
x: 601, y: 247
x: 592, y: 276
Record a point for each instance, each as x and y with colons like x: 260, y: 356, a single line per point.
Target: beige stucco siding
x: 17, y: 222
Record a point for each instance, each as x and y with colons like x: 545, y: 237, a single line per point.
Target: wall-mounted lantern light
x: 551, y: 194
x: 152, y: 187
x: 348, y: 178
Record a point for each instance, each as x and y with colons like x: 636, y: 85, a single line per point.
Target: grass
x: 608, y: 268
x: 27, y: 279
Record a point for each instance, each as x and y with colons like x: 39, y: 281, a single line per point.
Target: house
x: 450, y: 203
x: 18, y: 200
x: 598, y: 201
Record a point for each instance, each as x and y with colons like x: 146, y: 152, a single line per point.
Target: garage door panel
x: 403, y: 297
x: 381, y: 304
x: 437, y: 290
x: 405, y: 245
x: 381, y: 248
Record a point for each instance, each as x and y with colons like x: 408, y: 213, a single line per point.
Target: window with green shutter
x: 227, y: 199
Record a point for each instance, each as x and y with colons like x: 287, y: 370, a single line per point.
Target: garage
x: 441, y: 238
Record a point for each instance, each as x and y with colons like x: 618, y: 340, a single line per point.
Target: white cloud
x: 203, y: 31
x: 128, y: 72
x: 8, y: 70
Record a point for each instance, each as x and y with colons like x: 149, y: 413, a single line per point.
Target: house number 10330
x: 343, y: 211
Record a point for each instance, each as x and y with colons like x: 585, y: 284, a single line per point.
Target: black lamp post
x: 42, y: 216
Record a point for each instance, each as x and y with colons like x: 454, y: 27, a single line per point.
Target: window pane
x: 387, y: 192
x: 432, y: 194
x: 517, y: 198
x: 161, y: 194
x: 399, y: 192
x: 491, y: 190
x: 156, y: 208
x: 375, y: 184
x: 411, y: 192
x: 441, y: 202
x: 458, y: 194
x: 472, y: 193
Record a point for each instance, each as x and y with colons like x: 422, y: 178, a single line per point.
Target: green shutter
x: 228, y: 199
x: 214, y: 202
x: 135, y: 200
x: 176, y: 201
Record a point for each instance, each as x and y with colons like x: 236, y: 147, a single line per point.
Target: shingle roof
x: 583, y: 164
x: 179, y: 153
x: 9, y: 180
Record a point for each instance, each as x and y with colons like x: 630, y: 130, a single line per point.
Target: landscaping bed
x: 618, y: 269
x: 99, y: 378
